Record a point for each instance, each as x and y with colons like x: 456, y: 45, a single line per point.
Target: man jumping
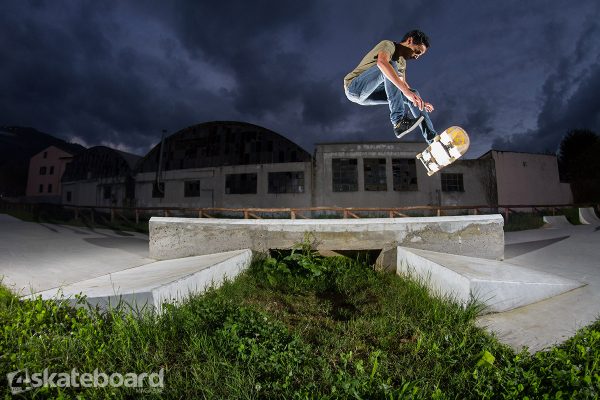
x: 380, y: 78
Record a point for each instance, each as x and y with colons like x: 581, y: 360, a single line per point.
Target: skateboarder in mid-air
x: 380, y: 78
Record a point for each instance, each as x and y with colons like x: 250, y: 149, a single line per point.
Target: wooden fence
x: 293, y: 213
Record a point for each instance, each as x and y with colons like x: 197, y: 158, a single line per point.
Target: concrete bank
x: 151, y: 285
x: 499, y: 285
x: 473, y: 235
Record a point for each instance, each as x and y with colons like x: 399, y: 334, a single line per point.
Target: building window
x: 41, y: 189
x: 404, y: 171
x: 375, y: 180
x: 51, y: 171
x: 345, y: 174
x: 452, y: 183
x: 45, y: 154
x: 49, y: 188
x: 191, y: 189
x: 107, y: 192
x: 158, y: 190
x: 42, y: 170
x: 240, y: 184
x: 286, y: 182
x: 69, y: 197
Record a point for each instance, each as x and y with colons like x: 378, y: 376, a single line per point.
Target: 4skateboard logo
x: 18, y: 381
x: 22, y: 381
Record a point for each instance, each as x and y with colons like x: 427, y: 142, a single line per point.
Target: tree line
x: 579, y: 164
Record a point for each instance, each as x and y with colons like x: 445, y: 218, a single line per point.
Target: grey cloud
x: 122, y: 71
x: 569, y: 98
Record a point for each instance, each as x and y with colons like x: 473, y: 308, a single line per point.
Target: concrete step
x: 557, y: 221
x: 153, y: 284
x: 588, y: 216
x: 469, y: 235
x: 499, y: 285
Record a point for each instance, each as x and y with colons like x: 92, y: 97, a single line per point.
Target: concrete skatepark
x: 539, y: 286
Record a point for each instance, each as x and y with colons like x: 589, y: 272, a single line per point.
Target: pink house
x: 45, y: 172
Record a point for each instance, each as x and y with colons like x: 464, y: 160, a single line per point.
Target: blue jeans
x: 372, y: 87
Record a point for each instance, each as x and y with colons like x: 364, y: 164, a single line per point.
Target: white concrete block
x: 588, y: 216
x: 558, y: 221
x: 151, y: 285
x: 472, y: 235
x: 499, y: 285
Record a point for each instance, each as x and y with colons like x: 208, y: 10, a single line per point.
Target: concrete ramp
x: 499, y: 285
x: 588, y: 216
x: 471, y: 235
x: 558, y: 221
x: 148, y: 286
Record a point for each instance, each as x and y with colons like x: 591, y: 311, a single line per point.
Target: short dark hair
x: 418, y: 37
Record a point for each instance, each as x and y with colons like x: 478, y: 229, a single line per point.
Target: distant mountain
x: 17, y: 146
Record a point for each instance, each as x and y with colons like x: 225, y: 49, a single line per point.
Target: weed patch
x: 295, y: 325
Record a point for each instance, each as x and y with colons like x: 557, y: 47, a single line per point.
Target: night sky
x: 515, y: 74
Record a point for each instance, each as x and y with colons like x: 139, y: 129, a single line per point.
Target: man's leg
x: 372, y: 87
x: 396, y: 101
x: 367, y: 89
x: 426, y: 126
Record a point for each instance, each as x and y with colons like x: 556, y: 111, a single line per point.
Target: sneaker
x: 406, y: 125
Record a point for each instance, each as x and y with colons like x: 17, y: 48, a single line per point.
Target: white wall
x: 91, y: 193
x: 429, y: 187
x: 525, y: 179
x: 212, y: 188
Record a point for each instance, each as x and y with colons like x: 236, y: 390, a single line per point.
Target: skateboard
x: 446, y: 148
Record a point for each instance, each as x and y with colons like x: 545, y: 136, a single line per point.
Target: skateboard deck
x: 446, y: 148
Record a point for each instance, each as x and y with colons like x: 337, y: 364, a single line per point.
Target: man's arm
x: 427, y: 106
x: 383, y: 62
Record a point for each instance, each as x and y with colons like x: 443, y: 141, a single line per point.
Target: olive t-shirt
x: 390, y: 47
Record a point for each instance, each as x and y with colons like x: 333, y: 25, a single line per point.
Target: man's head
x: 416, y: 43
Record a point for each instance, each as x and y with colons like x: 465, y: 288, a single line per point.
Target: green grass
x: 572, y: 215
x: 296, y: 326
x: 518, y: 221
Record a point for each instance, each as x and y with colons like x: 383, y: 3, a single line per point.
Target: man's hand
x: 428, y: 107
x: 416, y: 100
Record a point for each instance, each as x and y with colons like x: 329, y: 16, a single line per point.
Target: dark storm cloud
x: 76, y: 70
x: 255, y: 42
x: 117, y: 73
x: 569, y: 97
x: 65, y: 75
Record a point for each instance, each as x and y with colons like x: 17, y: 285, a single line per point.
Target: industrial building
x: 388, y: 175
x: 100, y: 176
x: 224, y: 164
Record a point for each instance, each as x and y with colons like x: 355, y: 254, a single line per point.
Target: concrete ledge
x: 150, y: 285
x: 558, y: 221
x: 499, y: 285
x: 588, y: 216
x: 472, y: 235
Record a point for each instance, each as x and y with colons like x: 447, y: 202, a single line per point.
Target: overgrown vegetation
x: 579, y: 164
x: 296, y: 325
x: 518, y: 221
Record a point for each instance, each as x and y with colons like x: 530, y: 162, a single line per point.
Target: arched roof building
x: 100, y: 162
x: 222, y: 143
x: 100, y: 176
